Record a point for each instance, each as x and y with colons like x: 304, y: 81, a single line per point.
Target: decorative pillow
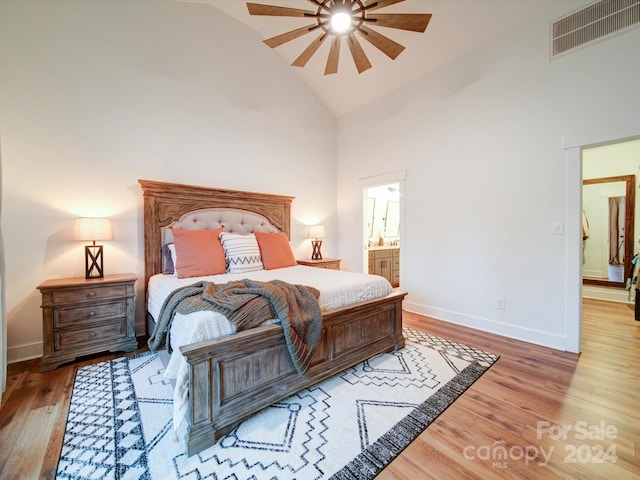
x: 275, y: 250
x: 198, y: 252
x: 169, y: 254
x: 242, y: 252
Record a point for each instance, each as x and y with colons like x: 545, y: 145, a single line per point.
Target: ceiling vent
x: 594, y: 22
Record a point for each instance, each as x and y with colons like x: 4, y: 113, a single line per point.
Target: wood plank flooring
x: 536, y: 414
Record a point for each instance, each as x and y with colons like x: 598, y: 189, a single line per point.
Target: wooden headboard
x: 165, y: 203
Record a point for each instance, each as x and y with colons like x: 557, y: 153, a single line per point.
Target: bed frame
x: 235, y: 376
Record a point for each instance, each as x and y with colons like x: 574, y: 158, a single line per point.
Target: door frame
x: 574, y: 143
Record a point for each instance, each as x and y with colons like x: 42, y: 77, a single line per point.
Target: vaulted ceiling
x: 457, y: 28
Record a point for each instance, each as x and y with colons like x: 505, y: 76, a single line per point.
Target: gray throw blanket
x: 247, y: 304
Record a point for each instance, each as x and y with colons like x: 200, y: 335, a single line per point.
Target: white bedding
x: 337, y: 288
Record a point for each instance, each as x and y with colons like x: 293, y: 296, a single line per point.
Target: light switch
x: 558, y: 228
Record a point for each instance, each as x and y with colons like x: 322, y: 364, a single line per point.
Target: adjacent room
x: 444, y: 192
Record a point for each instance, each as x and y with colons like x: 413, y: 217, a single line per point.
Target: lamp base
x: 316, y: 244
x: 93, y: 263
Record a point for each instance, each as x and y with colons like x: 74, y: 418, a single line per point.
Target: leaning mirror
x: 608, y: 213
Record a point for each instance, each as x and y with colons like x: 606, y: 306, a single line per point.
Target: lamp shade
x: 316, y: 231
x: 92, y: 228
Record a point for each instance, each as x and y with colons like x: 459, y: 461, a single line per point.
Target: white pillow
x: 242, y: 252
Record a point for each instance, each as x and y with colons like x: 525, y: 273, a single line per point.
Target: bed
x: 231, y: 377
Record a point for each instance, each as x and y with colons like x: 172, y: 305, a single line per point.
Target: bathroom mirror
x: 608, y: 229
x: 371, y: 207
x: 383, y: 212
x: 392, y: 219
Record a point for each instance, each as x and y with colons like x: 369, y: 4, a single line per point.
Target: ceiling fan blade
x: 274, y: 11
x: 416, y: 22
x: 324, y: 5
x: 313, y: 47
x: 288, y: 36
x: 383, y: 43
x: 332, y: 59
x: 359, y: 57
x: 375, y: 5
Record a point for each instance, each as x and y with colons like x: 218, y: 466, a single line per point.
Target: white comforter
x: 337, y: 288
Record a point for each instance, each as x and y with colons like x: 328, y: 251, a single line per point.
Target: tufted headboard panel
x: 232, y: 220
x: 193, y: 207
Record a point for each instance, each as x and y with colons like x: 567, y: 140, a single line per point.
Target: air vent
x: 593, y: 22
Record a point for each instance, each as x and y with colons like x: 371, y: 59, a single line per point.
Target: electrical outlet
x: 501, y: 304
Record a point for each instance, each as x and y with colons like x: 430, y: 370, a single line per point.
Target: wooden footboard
x: 235, y: 376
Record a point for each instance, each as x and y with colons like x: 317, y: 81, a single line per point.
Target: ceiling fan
x: 342, y: 19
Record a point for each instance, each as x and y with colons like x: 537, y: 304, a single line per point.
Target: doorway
x: 382, y: 231
x: 609, y: 206
x: 574, y: 144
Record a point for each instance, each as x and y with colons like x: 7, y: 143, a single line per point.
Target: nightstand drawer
x: 80, y: 338
x: 332, y: 266
x: 68, y: 317
x: 332, y: 263
x: 96, y: 293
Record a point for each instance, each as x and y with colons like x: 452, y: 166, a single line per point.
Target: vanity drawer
x: 68, y: 317
x: 65, y: 339
x: 384, y: 253
x: 396, y: 263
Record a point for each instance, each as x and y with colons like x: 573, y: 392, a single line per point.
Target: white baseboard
x: 524, y: 334
x: 20, y: 353
x: 29, y: 351
x: 607, y: 293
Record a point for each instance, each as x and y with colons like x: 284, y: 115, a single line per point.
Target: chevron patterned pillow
x: 242, y: 252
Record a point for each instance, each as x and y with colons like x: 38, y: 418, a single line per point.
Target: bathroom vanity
x: 385, y: 261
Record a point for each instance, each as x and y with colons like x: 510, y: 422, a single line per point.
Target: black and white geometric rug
x: 349, y: 426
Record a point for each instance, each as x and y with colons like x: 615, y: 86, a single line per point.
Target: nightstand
x: 84, y: 316
x: 333, y: 263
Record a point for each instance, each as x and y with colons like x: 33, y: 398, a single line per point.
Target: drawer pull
x: 91, y: 294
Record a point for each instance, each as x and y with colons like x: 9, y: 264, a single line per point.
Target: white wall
x: 487, y: 176
x: 96, y: 95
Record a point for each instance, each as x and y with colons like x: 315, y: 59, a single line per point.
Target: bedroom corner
x: 3, y: 317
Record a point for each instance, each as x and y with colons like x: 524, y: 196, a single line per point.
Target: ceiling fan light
x: 340, y: 22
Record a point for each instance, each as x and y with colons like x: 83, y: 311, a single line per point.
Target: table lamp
x: 92, y: 229
x: 317, y: 233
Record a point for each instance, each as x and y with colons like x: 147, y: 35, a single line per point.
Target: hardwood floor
x: 550, y: 414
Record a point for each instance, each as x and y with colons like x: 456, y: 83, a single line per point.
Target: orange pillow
x: 275, y: 250
x: 198, y: 252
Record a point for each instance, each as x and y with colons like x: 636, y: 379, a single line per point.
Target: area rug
x: 348, y: 427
